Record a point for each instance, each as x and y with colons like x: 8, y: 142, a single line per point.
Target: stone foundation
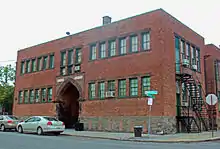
x: 126, y: 124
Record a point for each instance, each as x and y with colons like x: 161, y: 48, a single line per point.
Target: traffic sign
x: 151, y: 96
x: 151, y: 92
x: 150, y: 101
x: 211, y: 99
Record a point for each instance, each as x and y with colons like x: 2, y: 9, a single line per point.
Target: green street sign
x: 151, y: 96
x: 151, y: 92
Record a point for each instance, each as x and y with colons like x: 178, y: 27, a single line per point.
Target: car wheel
x: 39, y: 131
x: 2, y: 127
x: 20, y: 129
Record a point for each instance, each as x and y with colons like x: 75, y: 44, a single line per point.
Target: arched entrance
x: 68, y: 107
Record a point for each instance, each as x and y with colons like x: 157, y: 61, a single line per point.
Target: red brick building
x: 101, y: 74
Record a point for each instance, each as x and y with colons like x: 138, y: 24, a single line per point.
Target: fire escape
x: 193, y: 115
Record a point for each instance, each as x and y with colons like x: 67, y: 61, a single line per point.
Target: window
x: 63, y: 71
x: 20, y: 97
x: 145, y: 85
x: 198, y: 59
x: 51, y: 62
x: 22, y: 67
x: 37, y: 95
x: 31, y: 94
x: 45, y: 62
x: 25, y: 96
x: 92, y: 91
x: 50, y: 92
x: 134, y: 44
x: 78, y: 56
x: 188, y: 52
x: 112, y: 48
x: 182, y: 49
x: 111, y: 85
x: 43, y: 94
x: 39, y: 66
x: 28, y: 68
x: 63, y: 58
x: 93, y: 52
x: 193, y: 56
x: 70, y: 57
x: 102, y: 50
x: 122, y: 88
x: 145, y: 41
x: 122, y: 46
x: 33, y: 65
x: 177, y: 53
x: 102, y: 90
x: 133, y: 87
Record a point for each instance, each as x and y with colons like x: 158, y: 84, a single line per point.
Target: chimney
x: 106, y: 20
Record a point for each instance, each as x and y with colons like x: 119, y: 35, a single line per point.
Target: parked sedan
x: 41, y: 125
x: 8, y: 122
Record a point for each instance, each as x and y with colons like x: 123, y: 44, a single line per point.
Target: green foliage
x: 7, y: 78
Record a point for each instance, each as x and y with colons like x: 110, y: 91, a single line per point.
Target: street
x: 13, y: 140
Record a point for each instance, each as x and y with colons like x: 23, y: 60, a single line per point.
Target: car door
x: 1, y: 119
x: 28, y: 124
x: 35, y: 123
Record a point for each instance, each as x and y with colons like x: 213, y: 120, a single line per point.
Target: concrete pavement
x: 13, y: 140
x: 173, y: 138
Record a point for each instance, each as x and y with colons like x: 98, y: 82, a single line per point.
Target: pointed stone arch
x: 64, y: 85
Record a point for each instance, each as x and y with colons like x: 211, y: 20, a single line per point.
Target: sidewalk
x: 174, y: 138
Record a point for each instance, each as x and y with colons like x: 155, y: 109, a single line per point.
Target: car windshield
x: 50, y: 118
x: 11, y: 117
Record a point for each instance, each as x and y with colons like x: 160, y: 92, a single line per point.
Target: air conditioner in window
x: 77, y: 68
x: 185, y: 104
x: 194, y: 67
x: 36, y: 100
x: 185, y: 62
x: 110, y: 94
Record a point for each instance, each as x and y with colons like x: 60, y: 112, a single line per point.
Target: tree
x: 7, y: 79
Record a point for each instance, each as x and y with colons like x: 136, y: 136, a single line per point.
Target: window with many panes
x: 188, y: 51
x: 28, y: 68
x: 193, y: 62
x: 145, y: 85
x: 51, y: 62
x: 39, y: 66
x: 112, y: 48
x: 122, y: 88
x: 45, y: 62
x: 63, y: 58
x: 50, y: 93
x: 145, y: 41
x: 177, y: 54
x: 111, y: 85
x: 182, y: 49
x: 70, y: 62
x: 78, y: 55
x: 33, y: 65
x: 22, y: 67
x: 133, y: 84
x: 133, y: 43
x: 101, y: 90
x: 37, y: 95
x: 20, y: 97
x: 122, y: 46
x: 102, y: 50
x: 92, y: 91
x: 43, y: 94
x: 26, y: 100
x: 31, y: 94
x: 93, y: 52
x: 198, y: 59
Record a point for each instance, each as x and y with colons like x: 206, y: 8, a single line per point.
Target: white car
x: 41, y: 125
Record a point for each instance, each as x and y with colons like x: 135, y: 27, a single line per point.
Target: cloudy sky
x: 26, y: 23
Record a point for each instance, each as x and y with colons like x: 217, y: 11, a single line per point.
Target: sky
x: 24, y: 23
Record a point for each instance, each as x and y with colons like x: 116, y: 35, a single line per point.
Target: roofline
x: 159, y: 9
x: 211, y: 44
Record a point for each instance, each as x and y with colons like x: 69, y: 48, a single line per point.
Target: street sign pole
x: 212, y: 117
x: 149, y: 119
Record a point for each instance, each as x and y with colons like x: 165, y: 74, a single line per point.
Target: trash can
x: 138, y: 131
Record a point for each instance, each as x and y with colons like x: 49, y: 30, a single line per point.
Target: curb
x: 152, y: 141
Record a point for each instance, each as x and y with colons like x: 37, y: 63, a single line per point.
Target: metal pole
x: 212, y: 118
x: 149, y: 120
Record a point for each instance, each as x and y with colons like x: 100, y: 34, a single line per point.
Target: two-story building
x: 100, y: 76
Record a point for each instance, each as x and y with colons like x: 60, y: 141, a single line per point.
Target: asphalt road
x: 13, y: 140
